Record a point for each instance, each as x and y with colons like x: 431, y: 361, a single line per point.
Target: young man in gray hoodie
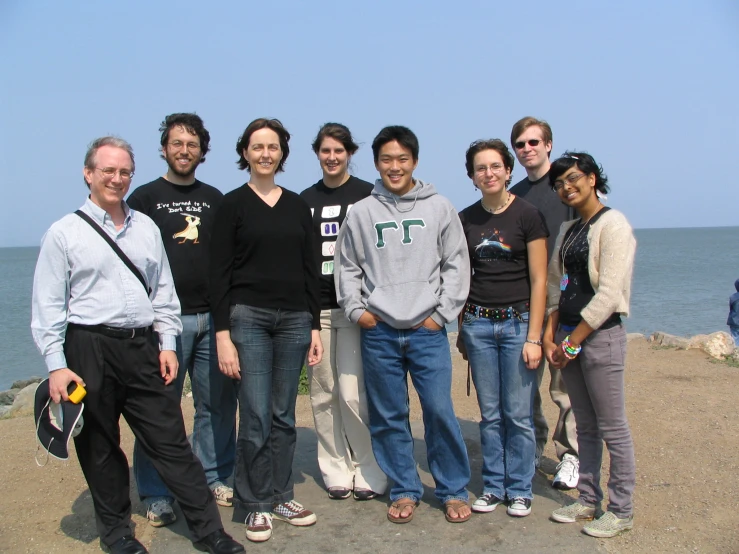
x: 402, y: 272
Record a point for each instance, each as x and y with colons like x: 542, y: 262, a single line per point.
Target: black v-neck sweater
x: 263, y: 256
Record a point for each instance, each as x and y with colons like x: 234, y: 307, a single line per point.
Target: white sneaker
x: 608, y: 525
x: 568, y: 473
x: 224, y: 494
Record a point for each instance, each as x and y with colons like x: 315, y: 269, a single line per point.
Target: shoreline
x: 682, y: 412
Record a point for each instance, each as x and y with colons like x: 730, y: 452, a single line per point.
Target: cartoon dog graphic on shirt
x: 191, y: 231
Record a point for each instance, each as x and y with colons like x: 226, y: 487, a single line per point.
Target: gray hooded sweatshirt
x: 403, y: 258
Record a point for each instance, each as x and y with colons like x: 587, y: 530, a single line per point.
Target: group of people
x: 358, y: 282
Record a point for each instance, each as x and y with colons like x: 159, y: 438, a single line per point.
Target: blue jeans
x: 272, y: 346
x: 734, y: 334
x: 505, y: 393
x: 215, y: 398
x: 388, y: 355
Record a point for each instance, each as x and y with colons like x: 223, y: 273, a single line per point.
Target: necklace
x: 566, y: 247
x: 493, y: 210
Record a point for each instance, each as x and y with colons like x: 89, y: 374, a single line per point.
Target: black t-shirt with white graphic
x: 329, y: 207
x: 498, y: 254
x: 184, y: 215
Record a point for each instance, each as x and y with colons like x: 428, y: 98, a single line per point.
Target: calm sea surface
x: 682, y: 283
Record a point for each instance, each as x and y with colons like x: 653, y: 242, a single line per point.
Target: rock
x: 23, y: 403
x: 717, y: 345
x: 7, y: 396
x: 24, y: 383
x: 663, y: 339
x: 4, y: 411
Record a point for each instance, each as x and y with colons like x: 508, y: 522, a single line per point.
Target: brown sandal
x: 455, y: 505
x: 399, y: 504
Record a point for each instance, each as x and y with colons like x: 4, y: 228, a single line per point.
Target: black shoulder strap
x: 116, y: 249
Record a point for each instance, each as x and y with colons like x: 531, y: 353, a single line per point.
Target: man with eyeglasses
x: 107, y: 319
x: 184, y: 210
x: 531, y: 139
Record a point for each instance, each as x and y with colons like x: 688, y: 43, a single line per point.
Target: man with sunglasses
x: 184, y: 209
x: 531, y: 139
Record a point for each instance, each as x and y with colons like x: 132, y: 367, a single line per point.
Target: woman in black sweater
x: 265, y: 305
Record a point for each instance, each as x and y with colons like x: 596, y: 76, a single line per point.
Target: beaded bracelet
x: 569, y: 350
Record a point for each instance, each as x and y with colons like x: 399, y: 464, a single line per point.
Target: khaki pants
x: 339, y: 404
x: 565, y: 435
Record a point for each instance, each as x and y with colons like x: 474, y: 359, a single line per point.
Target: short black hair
x: 585, y: 163
x: 190, y: 121
x: 263, y: 123
x: 403, y: 135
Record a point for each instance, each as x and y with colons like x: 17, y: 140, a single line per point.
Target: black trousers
x: 122, y: 377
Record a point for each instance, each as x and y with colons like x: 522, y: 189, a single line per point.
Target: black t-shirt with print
x: 329, y: 207
x: 497, y: 246
x: 578, y: 291
x: 184, y: 215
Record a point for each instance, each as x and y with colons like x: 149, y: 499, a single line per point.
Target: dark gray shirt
x: 555, y: 212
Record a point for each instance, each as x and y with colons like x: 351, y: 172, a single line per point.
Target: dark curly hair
x: 489, y: 144
x: 338, y: 132
x: 585, y: 163
x: 190, y: 121
x: 263, y: 123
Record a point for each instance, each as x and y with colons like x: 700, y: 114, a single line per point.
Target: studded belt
x: 511, y: 312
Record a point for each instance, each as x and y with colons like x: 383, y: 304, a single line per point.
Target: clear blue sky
x: 649, y: 88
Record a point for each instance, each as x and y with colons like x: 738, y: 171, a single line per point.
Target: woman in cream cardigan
x: 589, y: 286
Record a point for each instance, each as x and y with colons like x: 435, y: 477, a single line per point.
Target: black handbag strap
x: 116, y: 249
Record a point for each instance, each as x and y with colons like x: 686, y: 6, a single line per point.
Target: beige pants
x: 339, y: 404
x: 565, y: 434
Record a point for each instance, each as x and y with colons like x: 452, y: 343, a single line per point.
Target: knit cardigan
x: 612, y: 246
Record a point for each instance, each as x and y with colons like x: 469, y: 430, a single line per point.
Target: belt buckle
x: 133, y: 333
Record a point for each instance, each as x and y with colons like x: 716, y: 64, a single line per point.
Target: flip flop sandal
x: 455, y: 505
x: 399, y: 505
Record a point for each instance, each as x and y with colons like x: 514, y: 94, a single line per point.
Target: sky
x: 648, y: 88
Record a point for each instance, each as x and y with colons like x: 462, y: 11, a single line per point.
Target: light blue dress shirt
x: 80, y: 279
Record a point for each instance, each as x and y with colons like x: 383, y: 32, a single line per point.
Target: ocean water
x: 682, y: 282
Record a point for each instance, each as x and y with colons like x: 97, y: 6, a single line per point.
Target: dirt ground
x: 682, y: 410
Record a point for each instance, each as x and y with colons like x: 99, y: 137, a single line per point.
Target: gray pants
x: 595, y: 380
x: 565, y: 436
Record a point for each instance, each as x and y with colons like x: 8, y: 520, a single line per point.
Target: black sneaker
x: 364, y: 494
x: 338, y: 493
x: 519, y: 507
x: 486, y: 503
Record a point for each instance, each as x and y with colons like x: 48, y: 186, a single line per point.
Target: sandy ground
x: 683, y: 415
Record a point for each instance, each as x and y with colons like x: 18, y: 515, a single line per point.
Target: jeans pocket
x: 468, y: 318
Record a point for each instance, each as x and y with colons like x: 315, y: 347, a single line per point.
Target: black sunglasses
x: 521, y: 143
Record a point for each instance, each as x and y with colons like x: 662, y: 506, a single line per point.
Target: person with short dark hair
x: 265, y: 305
x: 402, y: 274
x: 184, y: 209
x: 531, y: 140
x: 501, y: 324
x: 109, y: 322
x: 337, y: 390
x: 589, y: 291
